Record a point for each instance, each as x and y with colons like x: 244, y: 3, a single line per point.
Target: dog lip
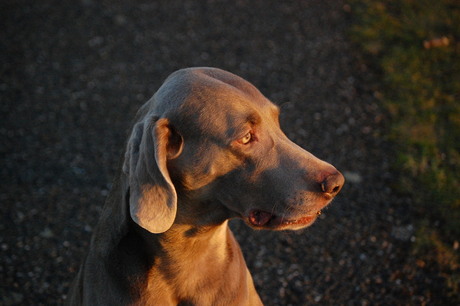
x: 263, y: 219
x: 259, y: 217
x: 300, y: 221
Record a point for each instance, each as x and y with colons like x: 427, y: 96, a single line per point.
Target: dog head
x: 212, y: 139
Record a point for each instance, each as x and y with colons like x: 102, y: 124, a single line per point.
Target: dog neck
x: 189, y: 258
x: 198, y: 251
x: 185, y: 244
x: 188, y: 240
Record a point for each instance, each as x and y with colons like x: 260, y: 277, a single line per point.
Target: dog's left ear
x: 153, y: 198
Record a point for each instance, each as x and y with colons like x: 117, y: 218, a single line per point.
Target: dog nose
x: 332, y: 183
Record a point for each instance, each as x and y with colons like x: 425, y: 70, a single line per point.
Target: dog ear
x: 153, y: 198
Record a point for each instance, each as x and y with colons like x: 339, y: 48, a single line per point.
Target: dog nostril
x: 332, y: 183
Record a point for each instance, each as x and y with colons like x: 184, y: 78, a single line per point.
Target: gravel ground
x: 73, y: 75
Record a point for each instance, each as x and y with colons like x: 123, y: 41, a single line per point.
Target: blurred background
x: 369, y: 86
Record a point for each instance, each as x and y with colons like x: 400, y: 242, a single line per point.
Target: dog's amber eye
x: 246, y: 139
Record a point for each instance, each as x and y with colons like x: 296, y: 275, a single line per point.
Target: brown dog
x: 206, y: 148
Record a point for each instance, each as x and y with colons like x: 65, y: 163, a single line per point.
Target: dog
x: 206, y: 148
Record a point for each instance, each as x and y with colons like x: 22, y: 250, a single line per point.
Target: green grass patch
x: 414, y: 47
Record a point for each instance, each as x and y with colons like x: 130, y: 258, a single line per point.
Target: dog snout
x: 332, y: 183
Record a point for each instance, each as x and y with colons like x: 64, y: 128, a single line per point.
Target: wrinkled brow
x: 253, y: 118
x: 239, y: 125
x: 275, y: 111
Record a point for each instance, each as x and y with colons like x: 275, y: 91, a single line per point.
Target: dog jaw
x: 260, y: 219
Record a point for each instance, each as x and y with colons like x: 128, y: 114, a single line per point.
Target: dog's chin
x: 259, y: 219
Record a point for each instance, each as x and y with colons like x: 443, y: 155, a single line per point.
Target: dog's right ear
x: 153, y: 198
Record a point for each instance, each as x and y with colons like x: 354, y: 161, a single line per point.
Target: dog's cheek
x: 196, y: 171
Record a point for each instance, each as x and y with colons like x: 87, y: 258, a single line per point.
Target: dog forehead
x: 210, y: 99
x: 209, y: 85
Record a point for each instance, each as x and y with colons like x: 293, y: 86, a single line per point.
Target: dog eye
x: 246, y: 139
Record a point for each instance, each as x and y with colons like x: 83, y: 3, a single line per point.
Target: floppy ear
x: 153, y: 198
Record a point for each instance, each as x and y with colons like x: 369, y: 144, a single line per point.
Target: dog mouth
x: 265, y: 220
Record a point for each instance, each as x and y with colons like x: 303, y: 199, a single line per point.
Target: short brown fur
x: 207, y: 147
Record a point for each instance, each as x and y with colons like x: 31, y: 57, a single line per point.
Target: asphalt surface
x: 73, y: 75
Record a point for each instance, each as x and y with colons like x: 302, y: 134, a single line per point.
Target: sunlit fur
x: 163, y: 237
